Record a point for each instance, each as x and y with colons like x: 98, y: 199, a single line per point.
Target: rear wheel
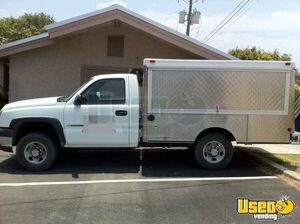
x: 36, y: 152
x: 213, y: 151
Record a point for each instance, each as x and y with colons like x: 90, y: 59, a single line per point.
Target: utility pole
x: 189, y: 17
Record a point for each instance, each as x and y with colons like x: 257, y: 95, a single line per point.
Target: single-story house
x: 110, y: 40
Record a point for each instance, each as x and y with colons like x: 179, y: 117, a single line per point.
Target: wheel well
x: 223, y: 131
x: 23, y: 129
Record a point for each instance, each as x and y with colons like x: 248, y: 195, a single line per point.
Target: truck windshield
x: 68, y: 97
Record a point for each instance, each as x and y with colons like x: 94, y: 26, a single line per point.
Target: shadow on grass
x: 285, y: 160
x: 289, y: 161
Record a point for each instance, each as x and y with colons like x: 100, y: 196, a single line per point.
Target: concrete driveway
x: 134, y: 187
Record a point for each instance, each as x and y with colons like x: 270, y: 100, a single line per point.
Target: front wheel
x: 36, y: 152
x: 213, y: 151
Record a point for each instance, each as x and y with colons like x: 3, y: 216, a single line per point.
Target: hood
x: 46, y: 101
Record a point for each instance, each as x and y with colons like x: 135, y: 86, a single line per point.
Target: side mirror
x: 78, y: 100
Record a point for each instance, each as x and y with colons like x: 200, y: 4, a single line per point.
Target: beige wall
x: 56, y: 69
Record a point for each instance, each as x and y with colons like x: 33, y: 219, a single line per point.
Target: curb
x: 264, y: 160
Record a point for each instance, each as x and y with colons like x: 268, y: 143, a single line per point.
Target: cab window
x: 105, y: 91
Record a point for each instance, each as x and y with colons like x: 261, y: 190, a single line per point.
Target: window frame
x: 101, y: 80
x: 121, y: 55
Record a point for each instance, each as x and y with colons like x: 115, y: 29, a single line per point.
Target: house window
x: 115, y: 46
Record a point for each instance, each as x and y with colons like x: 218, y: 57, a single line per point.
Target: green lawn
x: 288, y: 160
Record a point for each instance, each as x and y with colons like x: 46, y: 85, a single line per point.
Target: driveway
x: 152, y: 186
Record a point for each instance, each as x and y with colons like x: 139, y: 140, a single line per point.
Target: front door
x: 102, y: 118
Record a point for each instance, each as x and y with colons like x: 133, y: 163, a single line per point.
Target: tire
x: 213, y: 151
x: 36, y: 152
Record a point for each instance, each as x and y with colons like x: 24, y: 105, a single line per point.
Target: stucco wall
x: 56, y: 69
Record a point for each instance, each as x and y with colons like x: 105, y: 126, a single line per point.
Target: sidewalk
x: 274, y: 149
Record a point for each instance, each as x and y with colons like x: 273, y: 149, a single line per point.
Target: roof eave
x: 25, y: 44
x: 45, y: 38
x: 143, y: 18
x: 24, y: 41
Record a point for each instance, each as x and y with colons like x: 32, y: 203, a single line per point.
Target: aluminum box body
x: 253, y: 100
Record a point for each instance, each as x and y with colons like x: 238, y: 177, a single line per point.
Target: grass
x: 290, y: 161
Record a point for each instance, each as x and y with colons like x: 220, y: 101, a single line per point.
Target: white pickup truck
x: 201, y: 105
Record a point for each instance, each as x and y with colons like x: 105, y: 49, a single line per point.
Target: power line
x: 236, y: 8
x: 232, y: 14
x: 239, y: 16
x: 225, y: 21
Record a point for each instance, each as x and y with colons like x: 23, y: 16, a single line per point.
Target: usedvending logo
x: 266, y: 209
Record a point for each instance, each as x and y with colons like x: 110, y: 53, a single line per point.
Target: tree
x: 27, y: 25
x: 254, y: 53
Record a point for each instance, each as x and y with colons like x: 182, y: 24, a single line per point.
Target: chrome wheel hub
x: 35, y: 152
x: 214, y: 152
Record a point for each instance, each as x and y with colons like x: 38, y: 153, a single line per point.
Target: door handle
x: 121, y: 113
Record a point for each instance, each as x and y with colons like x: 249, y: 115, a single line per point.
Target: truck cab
x: 104, y: 112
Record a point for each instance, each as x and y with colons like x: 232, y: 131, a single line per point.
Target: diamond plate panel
x: 230, y: 90
x: 267, y: 128
x: 186, y: 127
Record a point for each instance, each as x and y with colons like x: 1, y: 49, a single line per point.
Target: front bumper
x: 6, y: 139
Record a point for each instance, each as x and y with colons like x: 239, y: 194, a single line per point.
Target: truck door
x: 102, y: 118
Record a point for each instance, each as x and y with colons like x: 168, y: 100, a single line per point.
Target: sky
x: 268, y: 24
